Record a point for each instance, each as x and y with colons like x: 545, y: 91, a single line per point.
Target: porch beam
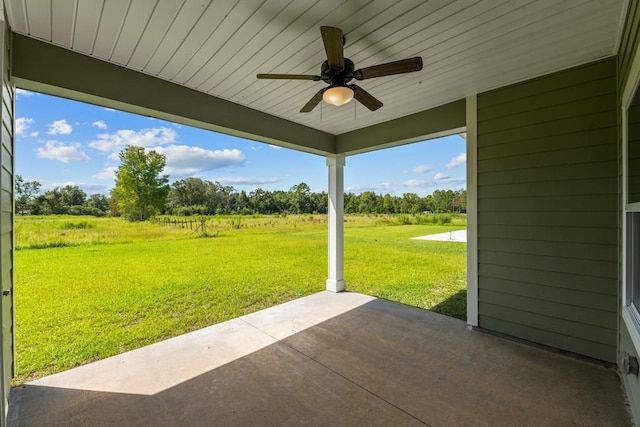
x: 448, y: 119
x: 335, y: 164
x: 80, y: 77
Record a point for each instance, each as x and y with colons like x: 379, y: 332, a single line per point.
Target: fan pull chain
x: 355, y: 110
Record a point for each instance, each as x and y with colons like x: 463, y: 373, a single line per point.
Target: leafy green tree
x: 72, y: 195
x: 25, y: 191
x: 351, y: 203
x: 411, y: 203
x: 140, y: 189
x: 261, y: 201
x: 40, y: 206
x: 443, y: 200
x: 241, y: 203
x: 369, y: 202
x: 186, y: 193
x: 54, y: 199
x: 319, y: 202
x: 460, y: 201
x: 300, y: 201
x: 389, y: 204
x: 98, y: 201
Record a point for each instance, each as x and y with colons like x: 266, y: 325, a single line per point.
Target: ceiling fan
x: 338, y: 71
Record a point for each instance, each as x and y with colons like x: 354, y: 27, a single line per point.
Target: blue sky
x: 60, y: 142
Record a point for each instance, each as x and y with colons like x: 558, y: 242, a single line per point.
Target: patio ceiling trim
x: 53, y: 70
x: 448, y: 119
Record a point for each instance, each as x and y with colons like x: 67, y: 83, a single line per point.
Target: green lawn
x: 89, y: 288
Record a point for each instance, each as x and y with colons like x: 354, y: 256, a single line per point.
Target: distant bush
x: 236, y: 223
x: 190, y: 210
x: 81, y: 225
x: 404, y: 219
x: 46, y: 245
x: 421, y: 219
x: 434, y: 219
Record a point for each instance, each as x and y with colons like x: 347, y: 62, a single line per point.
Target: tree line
x: 68, y: 199
x: 141, y: 191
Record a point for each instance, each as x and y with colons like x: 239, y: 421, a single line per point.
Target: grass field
x: 89, y: 288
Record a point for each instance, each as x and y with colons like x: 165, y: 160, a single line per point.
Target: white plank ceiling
x: 218, y: 46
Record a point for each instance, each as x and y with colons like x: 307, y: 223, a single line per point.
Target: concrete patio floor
x: 329, y: 360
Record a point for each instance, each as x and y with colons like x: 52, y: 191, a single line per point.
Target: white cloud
x: 243, y: 180
x: 100, y: 124
x: 457, y: 161
x: 440, y: 176
x: 108, y: 172
x: 87, y: 187
x: 183, y: 160
x: 22, y: 124
x: 55, y: 150
x: 34, y: 134
x: 23, y: 92
x: 421, y: 169
x: 275, y: 147
x: 142, y: 138
x: 384, y: 187
x: 108, y: 109
x: 413, y: 185
x: 60, y: 127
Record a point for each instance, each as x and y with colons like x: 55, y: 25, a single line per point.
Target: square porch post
x: 335, y: 163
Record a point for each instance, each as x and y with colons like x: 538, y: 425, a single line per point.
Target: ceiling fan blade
x: 334, y: 47
x: 312, y: 102
x: 365, y: 98
x: 390, y: 68
x: 289, y: 77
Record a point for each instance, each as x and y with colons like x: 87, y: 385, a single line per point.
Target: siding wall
x: 6, y: 217
x: 628, y: 44
x: 548, y: 210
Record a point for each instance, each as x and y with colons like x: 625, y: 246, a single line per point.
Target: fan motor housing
x: 335, y: 76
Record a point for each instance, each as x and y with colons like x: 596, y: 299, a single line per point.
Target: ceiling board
x: 218, y: 46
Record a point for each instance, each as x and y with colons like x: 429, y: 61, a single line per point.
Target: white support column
x: 335, y: 163
x: 472, y: 210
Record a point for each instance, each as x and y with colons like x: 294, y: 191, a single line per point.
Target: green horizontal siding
x: 6, y: 221
x: 549, y: 144
x: 558, y: 234
x: 558, y: 83
x: 549, y: 204
x: 595, y: 169
x: 553, y: 113
x: 588, y: 186
x: 553, y: 294
x: 583, y: 251
x: 553, y: 262
x: 544, y: 307
x: 578, y: 284
x: 548, y: 210
x: 554, y: 338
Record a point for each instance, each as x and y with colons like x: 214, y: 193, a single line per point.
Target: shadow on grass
x: 454, y: 306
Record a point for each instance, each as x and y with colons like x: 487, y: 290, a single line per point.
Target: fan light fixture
x: 337, y: 95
